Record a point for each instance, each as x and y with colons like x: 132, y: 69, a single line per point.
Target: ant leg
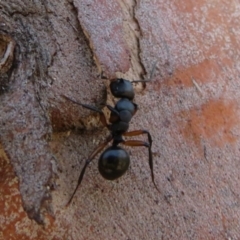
x: 102, y: 116
x: 88, y: 160
x: 136, y: 143
x: 139, y: 132
x: 112, y: 109
x: 136, y: 108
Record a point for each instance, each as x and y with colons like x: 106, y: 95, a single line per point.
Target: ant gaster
x: 114, y: 161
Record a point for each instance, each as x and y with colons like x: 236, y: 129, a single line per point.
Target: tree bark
x: 190, y: 107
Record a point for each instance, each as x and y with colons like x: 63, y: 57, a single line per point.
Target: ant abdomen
x: 113, y: 163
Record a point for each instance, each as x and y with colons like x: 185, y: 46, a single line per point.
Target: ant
x: 114, y: 161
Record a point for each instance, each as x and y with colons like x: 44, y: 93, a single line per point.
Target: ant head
x: 122, y: 88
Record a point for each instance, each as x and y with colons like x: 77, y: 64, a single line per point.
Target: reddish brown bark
x: 190, y: 107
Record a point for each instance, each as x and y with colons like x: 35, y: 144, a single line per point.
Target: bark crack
x: 80, y: 29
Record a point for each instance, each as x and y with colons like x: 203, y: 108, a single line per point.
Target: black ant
x: 114, y: 161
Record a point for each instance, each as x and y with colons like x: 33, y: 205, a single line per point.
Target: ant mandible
x: 114, y: 161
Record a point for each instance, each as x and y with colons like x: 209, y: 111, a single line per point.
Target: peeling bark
x: 190, y: 107
x: 31, y: 105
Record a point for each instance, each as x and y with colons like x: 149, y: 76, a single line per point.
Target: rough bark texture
x: 191, y: 108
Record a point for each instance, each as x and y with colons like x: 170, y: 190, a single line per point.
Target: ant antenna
x: 151, y: 74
